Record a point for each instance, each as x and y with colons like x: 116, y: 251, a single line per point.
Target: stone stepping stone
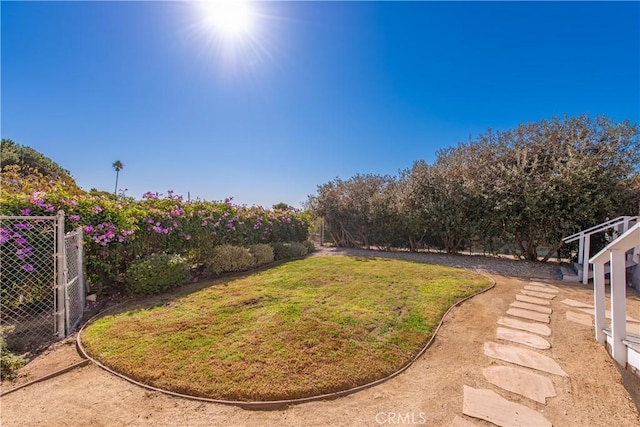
x: 533, y: 300
x: 544, y: 285
x: 525, y: 383
x: 490, y: 406
x: 528, y: 314
x: 523, y: 357
x: 537, y: 328
x: 541, y: 289
x: 577, y: 304
x: 522, y: 337
x: 537, y: 294
x: 633, y: 328
x: 607, y: 314
x: 583, y: 319
x: 461, y: 422
x: 532, y: 307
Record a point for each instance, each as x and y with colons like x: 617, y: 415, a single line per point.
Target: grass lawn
x: 299, y: 329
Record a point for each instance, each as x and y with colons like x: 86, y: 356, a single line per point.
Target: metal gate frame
x: 67, y: 281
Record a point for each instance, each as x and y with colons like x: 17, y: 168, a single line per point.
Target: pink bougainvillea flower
x: 5, y: 234
x: 23, y: 253
x: 24, y: 226
x: 88, y: 228
x: 74, y: 218
x: 25, y: 212
x: 97, y: 209
x: 19, y: 240
x: 27, y: 267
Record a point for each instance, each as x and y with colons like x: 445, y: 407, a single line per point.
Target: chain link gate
x: 41, y: 281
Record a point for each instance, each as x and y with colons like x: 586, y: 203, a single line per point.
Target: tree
x: 525, y: 187
x: 21, y: 165
x: 117, y: 166
x: 282, y: 206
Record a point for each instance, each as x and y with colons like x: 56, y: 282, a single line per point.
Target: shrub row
x: 120, y: 231
x: 160, y: 272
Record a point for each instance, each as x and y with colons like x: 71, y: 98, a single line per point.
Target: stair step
x: 569, y: 274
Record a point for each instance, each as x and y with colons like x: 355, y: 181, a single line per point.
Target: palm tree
x: 117, y: 166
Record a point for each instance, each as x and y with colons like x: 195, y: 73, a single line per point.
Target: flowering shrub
x: 25, y: 245
x: 227, y: 258
x: 262, y: 254
x: 288, y: 250
x: 156, y: 274
x: 118, y: 232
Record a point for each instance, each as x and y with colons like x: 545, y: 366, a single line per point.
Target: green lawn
x: 303, y: 328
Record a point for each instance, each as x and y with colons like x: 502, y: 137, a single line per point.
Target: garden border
x: 278, y: 404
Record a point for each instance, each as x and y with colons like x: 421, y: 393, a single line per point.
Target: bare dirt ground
x: 429, y: 393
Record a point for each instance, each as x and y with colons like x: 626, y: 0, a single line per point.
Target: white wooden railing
x: 622, y: 348
x: 620, y: 225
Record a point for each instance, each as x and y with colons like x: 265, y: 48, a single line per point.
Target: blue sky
x: 318, y: 90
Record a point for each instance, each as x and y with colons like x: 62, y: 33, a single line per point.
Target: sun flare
x: 230, y: 19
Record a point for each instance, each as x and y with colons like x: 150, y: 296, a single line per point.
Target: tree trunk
x: 552, y: 251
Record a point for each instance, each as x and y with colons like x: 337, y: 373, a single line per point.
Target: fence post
x: 60, y: 268
x: 81, y: 288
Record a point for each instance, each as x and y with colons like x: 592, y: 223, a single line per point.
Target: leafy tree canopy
x: 23, y: 162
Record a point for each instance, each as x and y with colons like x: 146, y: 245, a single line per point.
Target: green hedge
x: 156, y: 274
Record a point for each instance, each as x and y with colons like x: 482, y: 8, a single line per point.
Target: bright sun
x: 230, y: 19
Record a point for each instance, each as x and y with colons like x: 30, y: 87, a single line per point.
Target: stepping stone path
x: 538, y: 294
x: 536, y: 328
x: 532, y: 307
x: 525, y: 383
x: 607, y: 314
x: 490, y: 406
x: 583, y: 319
x: 533, y: 303
x: 528, y: 314
x: 523, y: 357
x: 522, y: 337
x: 577, y: 304
x: 544, y: 285
x: 541, y: 289
x: 533, y: 300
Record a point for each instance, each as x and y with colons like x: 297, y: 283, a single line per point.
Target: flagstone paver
x: 582, y: 319
x: 525, y: 383
x: 607, y: 314
x: 541, y: 289
x: 528, y: 314
x: 523, y: 357
x: 573, y: 303
x: 522, y: 337
x: 537, y: 294
x: 490, y: 406
x: 533, y: 300
x: 633, y: 328
x: 544, y: 285
x: 532, y: 307
x: 537, y: 328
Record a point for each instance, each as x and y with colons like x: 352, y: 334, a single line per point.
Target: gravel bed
x: 486, y: 264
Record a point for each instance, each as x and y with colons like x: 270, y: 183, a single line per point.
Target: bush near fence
x: 123, y: 230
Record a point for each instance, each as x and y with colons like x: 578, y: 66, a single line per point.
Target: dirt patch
x: 430, y: 392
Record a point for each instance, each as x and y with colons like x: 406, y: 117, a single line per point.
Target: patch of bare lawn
x: 300, y: 329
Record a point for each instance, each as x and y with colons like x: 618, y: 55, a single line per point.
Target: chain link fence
x: 41, y: 288
x: 27, y: 278
x: 73, y: 279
